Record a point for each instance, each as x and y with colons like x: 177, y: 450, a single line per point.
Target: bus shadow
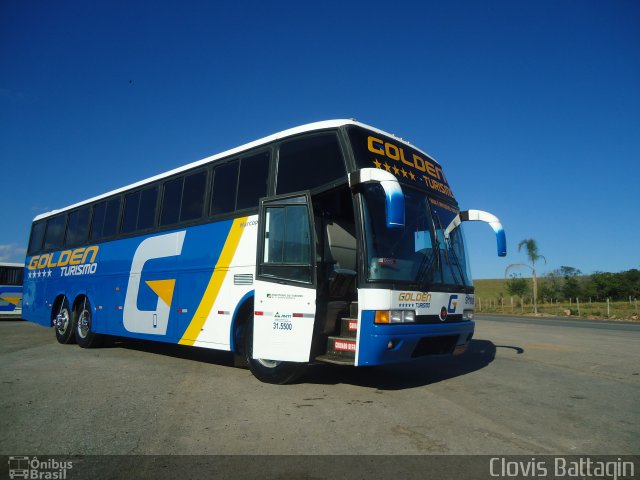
x: 419, y: 373
x: 183, y: 352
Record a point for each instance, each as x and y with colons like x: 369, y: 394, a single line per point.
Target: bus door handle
x: 155, y: 320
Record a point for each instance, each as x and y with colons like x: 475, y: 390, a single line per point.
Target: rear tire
x: 270, y: 371
x: 85, y: 336
x: 64, y: 325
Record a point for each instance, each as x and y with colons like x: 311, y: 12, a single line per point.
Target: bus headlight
x: 395, y: 316
x: 467, y: 315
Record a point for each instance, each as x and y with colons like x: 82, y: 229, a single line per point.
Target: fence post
x: 578, y: 303
x: 608, y: 309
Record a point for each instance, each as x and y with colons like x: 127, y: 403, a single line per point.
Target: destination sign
x: 407, y: 164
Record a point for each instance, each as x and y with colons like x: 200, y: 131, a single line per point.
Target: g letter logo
x: 152, y: 322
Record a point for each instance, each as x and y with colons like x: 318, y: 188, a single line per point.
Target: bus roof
x: 11, y: 264
x: 309, y: 127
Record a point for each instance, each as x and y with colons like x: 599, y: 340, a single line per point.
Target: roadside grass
x: 492, y: 297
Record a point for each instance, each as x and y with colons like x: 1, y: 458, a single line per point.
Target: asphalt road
x: 530, y: 387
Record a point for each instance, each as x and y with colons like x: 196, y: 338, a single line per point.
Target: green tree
x: 571, y: 287
x: 534, y: 256
x: 517, y: 286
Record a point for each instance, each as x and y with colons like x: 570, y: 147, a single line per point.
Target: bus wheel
x: 63, y: 324
x: 85, y: 336
x: 270, y: 371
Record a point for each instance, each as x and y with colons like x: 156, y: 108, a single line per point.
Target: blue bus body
x: 365, y: 267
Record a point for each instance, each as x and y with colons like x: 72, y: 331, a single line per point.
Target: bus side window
x: 37, y: 236
x: 139, y: 210
x: 54, y: 236
x: 78, y: 227
x: 183, y: 198
x: 225, y: 185
x: 193, y: 196
x: 309, y: 162
x: 105, y: 219
x: 254, y: 176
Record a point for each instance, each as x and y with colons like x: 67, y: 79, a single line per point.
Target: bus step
x: 335, y: 360
x: 348, y: 327
x: 343, y: 347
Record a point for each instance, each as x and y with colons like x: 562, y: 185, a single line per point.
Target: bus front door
x: 285, y: 286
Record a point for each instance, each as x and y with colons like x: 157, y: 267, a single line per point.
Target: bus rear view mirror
x: 394, y: 199
x: 481, y: 216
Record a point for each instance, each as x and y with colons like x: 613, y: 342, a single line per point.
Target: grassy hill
x: 491, y: 288
x: 490, y: 291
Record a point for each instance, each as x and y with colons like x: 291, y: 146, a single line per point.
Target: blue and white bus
x: 11, y: 289
x: 331, y: 242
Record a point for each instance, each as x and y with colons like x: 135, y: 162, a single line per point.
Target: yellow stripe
x: 215, y: 283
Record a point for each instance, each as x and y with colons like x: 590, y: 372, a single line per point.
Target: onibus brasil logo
x: 33, y: 468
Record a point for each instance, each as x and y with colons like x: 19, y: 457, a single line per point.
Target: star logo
x: 49, y: 272
x: 387, y: 167
x: 404, y: 173
x: 377, y: 163
x: 396, y: 170
x: 413, y: 177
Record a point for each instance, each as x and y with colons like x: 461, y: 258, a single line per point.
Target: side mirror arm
x: 481, y: 216
x: 394, y: 199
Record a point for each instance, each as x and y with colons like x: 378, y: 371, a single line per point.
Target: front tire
x: 64, y: 325
x: 85, y: 336
x: 270, y: 371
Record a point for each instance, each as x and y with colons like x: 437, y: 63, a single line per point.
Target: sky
x: 531, y: 107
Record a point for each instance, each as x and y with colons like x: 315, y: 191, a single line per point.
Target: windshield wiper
x: 427, y: 263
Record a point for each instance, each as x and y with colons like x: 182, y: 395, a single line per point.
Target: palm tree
x: 534, y: 256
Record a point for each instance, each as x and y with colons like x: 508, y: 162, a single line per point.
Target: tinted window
x: 147, y: 211
x: 309, y: 162
x: 37, y: 235
x: 254, y: 175
x: 111, y: 218
x: 139, y: 210
x: 193, y: 196
x: 54, y: 235
x: 171, y: 202
x: 130, y: 216
x: 105, y: 219
x: 78, y: 227
x: 97, y: 223
x: 225, y: 182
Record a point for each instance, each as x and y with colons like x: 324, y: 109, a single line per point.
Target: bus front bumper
x: 386, y: 344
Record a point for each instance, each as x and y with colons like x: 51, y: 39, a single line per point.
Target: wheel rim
x: 268, y: 363
x: 62, y: 321
x: 83, y: 324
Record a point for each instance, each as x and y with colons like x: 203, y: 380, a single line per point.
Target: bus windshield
x: 417, y: 254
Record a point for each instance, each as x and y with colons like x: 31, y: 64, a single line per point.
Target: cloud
x: 12, y: 253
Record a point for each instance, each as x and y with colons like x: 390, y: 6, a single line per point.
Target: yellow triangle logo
x: 163, y: 288
x: 12, y: 300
